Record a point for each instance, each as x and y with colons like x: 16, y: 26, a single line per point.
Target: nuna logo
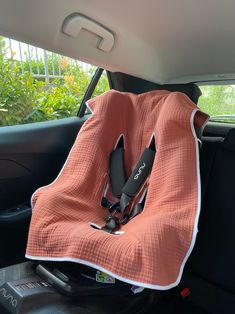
x: 8, y: 297
x: 141, y: 168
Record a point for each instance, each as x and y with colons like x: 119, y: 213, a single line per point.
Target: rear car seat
x: 210, y: 274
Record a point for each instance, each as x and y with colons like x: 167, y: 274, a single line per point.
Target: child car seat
x: 127, y: 201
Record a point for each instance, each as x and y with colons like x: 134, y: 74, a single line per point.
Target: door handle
x: 74, y: 23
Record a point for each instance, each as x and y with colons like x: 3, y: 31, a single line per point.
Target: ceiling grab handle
x: 74, y: 23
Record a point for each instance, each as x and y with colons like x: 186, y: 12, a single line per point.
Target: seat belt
x: 117, y: 169
x: 127, y: 191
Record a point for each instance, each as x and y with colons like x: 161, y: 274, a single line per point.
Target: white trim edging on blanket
x: 132, y: 282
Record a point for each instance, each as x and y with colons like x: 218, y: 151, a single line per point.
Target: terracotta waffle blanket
x: 152, y: 248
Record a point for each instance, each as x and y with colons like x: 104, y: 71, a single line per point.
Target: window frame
x: 90, y: 90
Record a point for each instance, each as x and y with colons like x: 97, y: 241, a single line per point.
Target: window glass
x: 38, y: 85
x: 219, y: 102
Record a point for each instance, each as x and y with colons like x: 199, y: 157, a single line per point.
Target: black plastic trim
x: 89, y: 91
x: 15, y: 217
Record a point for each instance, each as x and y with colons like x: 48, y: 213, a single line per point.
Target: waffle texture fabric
x: 152, y: 249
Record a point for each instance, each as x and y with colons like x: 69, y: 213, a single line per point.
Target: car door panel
x: 30, y: 156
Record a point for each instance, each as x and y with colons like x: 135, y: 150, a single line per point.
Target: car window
x: 219, y: 102
x: 38, y: 85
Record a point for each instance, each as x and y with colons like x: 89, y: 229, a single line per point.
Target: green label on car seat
x: 104, y: 278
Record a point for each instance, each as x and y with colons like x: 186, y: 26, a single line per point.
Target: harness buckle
x: 112, y: 222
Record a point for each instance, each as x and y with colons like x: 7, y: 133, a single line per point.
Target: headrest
x: 127, y: 83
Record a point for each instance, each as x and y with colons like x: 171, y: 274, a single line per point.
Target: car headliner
x: 164, y: 41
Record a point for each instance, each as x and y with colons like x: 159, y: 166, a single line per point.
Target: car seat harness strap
x: 127, y: 190
x: 117, y: 169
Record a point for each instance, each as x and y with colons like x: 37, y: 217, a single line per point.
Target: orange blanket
x: 152, y: 248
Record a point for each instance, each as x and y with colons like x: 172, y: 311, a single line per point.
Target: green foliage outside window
x: 25, y: 99
x: 218, y: 99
